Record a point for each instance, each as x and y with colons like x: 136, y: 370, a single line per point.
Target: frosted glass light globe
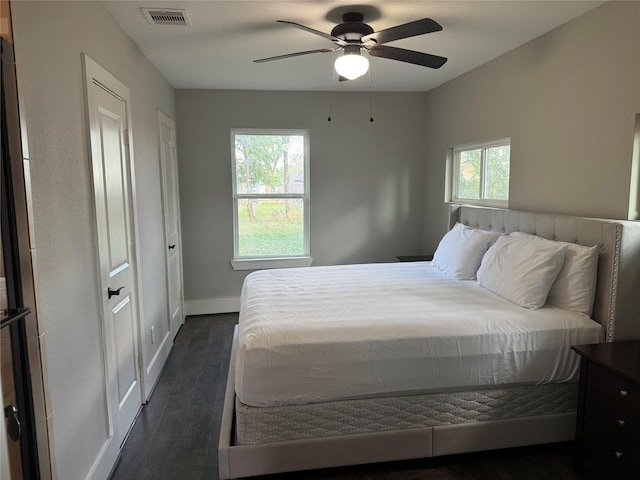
x: 351, y: 65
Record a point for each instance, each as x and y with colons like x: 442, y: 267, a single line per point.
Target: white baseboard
x: 160, y: 356
x: 105, y: 461
x: 212, y: 305
x: 156, y: 365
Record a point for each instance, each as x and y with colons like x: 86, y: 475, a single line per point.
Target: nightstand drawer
x: 612, y: 396
x: 613, y: 453
x: 619, y: 420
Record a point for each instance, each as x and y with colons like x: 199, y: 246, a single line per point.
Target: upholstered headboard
x: 617, y: 301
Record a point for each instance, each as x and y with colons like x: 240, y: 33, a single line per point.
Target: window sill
x: 481, y: 203
x: 261, y: 263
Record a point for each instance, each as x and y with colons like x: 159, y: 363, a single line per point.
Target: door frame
x: 94, y: 73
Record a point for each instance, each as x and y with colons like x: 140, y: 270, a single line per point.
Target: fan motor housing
x: 352, y: 29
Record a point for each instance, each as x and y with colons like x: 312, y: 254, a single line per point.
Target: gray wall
x: 366, y: 179
x: 49, y: 38
x: 568, y: 101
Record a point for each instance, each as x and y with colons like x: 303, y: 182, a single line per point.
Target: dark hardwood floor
x: 176, y: 433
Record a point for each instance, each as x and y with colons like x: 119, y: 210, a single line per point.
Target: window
x: 270, y: 198
x: 481, y: 173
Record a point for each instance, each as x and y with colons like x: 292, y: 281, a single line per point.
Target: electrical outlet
x: 153, y: 334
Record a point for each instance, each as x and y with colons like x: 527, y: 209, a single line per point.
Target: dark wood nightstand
x: 415, y: 258
x: 608, y: 423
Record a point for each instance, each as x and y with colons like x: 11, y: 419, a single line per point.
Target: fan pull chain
x: 370, y: 99
x: 333, y: 83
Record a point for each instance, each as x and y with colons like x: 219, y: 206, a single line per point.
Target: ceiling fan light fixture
x: 351, y: 64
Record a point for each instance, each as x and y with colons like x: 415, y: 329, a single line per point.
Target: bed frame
x: 616, y: 308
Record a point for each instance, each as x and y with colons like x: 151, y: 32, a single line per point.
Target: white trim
x: 488, y: 144
x: 209, y: 306
x: 157, y: 363
x: 260, y: 263
x: 104, y: 462
x: 481, y: 203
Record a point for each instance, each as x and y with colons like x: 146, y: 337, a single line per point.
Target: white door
x: 171, y: 204
x: 107, y: 104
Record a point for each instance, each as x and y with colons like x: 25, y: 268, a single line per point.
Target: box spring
x: 255, y: 425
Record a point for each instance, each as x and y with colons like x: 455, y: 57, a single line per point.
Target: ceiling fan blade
x: 314, y: 31
x: 406, y: 30
x: 408, y: 56
x: 297, y: 54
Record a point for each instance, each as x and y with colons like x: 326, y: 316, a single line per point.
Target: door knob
x: 171, y: 247
x: 111, y: 293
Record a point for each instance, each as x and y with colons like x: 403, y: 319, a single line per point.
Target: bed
x: 409, y: 380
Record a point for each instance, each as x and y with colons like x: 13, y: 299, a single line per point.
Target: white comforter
x: 328, y: 333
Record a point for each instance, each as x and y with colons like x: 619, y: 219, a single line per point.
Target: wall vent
x: 158, y: 16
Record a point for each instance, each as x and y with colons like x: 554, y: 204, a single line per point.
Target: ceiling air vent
x: 158, y: 16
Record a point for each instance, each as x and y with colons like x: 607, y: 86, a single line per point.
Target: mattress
x: 321, y: 334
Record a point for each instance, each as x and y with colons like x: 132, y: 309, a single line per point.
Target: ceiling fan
x: 353, y: 35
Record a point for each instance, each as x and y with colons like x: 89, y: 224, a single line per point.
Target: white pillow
x: 575, y: 287
x: 460, y: 252
x: 521, y: 270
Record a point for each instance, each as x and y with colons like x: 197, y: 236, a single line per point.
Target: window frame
x: 455, y: 172
x: 270, y: 261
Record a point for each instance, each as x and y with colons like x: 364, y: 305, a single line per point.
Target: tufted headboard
x: 617, y: 301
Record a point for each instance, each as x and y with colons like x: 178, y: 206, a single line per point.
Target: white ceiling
x: 218, y: 49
